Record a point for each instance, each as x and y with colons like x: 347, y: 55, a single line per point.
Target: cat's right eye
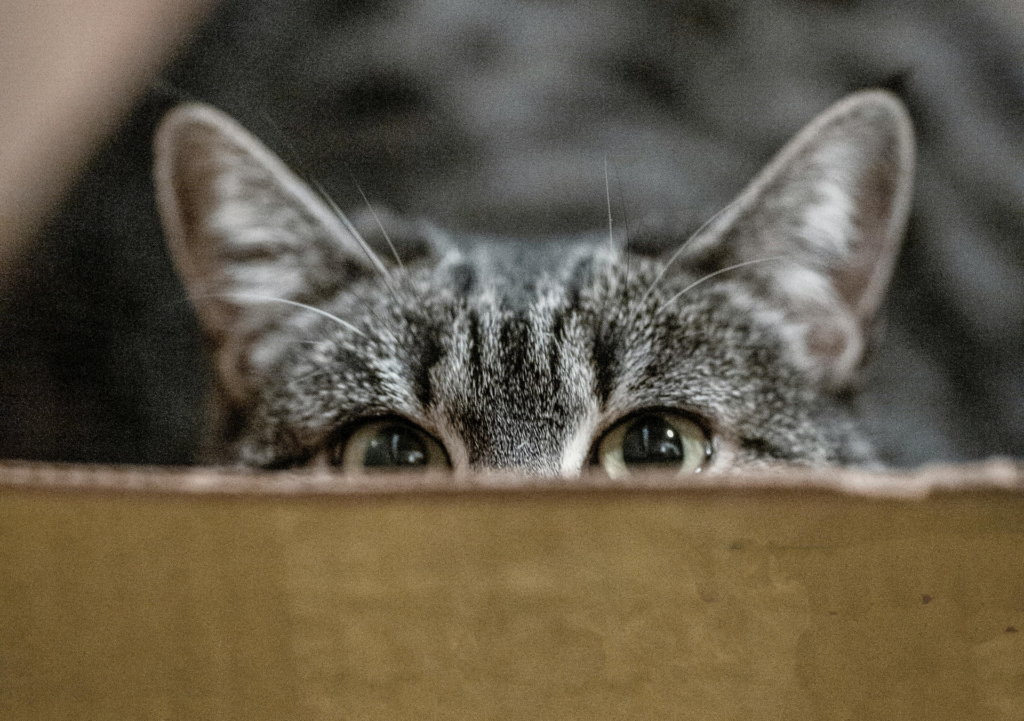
x: 390, y: 445
x: 655, y: 439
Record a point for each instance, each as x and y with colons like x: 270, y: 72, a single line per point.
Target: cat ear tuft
x: 241, y: 226
x: 831, y: 207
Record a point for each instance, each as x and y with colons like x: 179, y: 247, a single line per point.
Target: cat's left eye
x: 654, y: 439
x: 390, y: 445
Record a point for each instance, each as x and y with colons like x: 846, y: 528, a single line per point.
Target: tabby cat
x: 390, y: 344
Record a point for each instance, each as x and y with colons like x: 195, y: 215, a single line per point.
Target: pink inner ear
x: 883, y: 205
x: 196, y: 167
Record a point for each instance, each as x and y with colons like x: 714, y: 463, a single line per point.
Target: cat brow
x: 709, y: 276
x: 271, y: 299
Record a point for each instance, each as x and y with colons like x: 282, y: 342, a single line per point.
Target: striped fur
x: 518, y: 355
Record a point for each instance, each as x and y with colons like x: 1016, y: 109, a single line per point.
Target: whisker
x: 369, y: 309
x: 625, y: 230
x: 682, y: 247
x: 370, y: 254
x: 271, y: 299
x: 338, y: 213
x: 608, y: 202
x: 382, y: 229
x: 611, y: 241
x: 389, y: 280
x: 718, y: 272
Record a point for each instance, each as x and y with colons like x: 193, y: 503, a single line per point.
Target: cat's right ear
x: 242, y: 228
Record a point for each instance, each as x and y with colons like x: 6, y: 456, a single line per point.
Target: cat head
x: 397, y: 346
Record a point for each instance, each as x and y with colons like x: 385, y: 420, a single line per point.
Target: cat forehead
x: 498, y: 328
x: 516, y: 272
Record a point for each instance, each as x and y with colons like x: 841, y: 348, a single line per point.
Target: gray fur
x: 519, y: 356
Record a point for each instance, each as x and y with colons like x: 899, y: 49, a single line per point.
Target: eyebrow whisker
x: 718, y: 272
x: 271, y: 299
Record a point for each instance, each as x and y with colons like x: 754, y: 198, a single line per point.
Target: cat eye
x: 654, y: 439
x: 390, y: 445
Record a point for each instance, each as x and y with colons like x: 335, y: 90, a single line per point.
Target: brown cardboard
x: 319, y: 598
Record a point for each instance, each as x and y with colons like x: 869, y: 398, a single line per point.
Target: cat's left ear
x: 251, y: 241
x: 829, y: 211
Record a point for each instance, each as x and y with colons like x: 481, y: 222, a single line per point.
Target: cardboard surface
x: 208, y: 603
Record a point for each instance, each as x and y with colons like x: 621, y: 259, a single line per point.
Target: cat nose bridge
x: 533, y: 447
x: 525, y: 458
x: 521, y: 446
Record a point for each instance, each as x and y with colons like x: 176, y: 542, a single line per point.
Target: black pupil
x: 395, y: 446
x: 651, y: 440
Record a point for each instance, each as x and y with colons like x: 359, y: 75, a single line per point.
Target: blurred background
x: 496, y: 116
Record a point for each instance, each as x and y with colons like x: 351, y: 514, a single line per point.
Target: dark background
x: 496, y: 116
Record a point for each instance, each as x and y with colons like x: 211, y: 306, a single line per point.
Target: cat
x: 493, y: 116
x: 406, y: 347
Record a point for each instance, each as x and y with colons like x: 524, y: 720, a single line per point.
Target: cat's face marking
x: 519, y: 356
